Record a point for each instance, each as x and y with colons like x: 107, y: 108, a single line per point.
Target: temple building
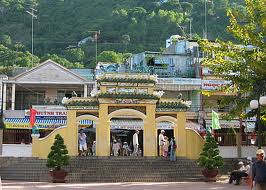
x: 128, y: 98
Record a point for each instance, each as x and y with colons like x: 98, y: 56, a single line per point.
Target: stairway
x: 107, y: 169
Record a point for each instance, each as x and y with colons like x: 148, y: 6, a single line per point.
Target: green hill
x: 124, y: 25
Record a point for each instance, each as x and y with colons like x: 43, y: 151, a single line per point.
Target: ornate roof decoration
x: 128, y: 96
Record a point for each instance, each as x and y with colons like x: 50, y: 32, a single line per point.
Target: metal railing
x: 21, y: 136
x: 230, y: 139
x: 164, y: 72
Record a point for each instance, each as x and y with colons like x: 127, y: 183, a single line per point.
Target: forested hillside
x: 124, y: 25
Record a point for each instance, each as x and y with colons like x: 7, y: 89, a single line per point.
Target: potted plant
x: 209, y: 159
x: 57, y: 158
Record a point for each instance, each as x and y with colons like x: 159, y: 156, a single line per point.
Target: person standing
x: 82, y: 143
x: 161, y: 142
x: 165, y: 147
x: 172, y: 149
x: 93, y: 148
x: 136, y: 143
x: 259, y: 171
x: 116, y: 148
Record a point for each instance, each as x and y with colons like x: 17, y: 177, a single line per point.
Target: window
x: 24, y: 99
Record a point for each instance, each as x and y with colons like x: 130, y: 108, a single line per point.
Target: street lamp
x: 256, y: 104
x: 32, y: 17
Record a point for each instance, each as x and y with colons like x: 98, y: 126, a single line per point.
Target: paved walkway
x: 13, y: 185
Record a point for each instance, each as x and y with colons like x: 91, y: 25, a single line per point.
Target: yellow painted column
x: 71, y: 135
x: 35, y: 148
x: 180, y: 134
x: 103, y: 132
x: 150, y: 132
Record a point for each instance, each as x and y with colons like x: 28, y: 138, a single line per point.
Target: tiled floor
x: 13, y: 185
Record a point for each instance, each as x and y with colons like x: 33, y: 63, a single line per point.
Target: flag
x: 33, y: 113
x: 215, y: 120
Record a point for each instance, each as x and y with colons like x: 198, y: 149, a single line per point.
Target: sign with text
x: 27, y: 126
x: 48, y: 113
x: 213, y: 84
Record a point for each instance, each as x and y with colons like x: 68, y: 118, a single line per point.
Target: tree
x: 209, y: 157
x: 5, y: 40
x: 62, y: 61
x: 10, y: 58
x: 242, y: 63
x: 58, y: 155
x: 75, y: 55
x: 125, y: 40
x: 110, y: 56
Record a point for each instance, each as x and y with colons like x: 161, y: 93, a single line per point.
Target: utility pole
x: 96, y: 48
x: 96, y: 33
x: 32, y: 17
x: 205, y: 20
x: 190, y: 28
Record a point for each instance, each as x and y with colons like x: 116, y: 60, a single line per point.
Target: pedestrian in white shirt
x: 82, y: 143
x: 161, y: 142
x: 116, y: 148
x: 136, y: 143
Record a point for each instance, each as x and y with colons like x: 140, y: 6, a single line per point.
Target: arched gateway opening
x: 125, y: 126
x: 87, y: 123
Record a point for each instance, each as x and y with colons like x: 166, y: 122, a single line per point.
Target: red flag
x: 33, y: 113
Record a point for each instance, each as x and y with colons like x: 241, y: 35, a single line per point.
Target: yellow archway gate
x: 127, y: 95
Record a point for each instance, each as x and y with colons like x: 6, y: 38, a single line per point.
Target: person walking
x: 136, y: 143
x: 82, y: 143
x: 172, y: 149
x: 161, y: 142
x: 259, y: 171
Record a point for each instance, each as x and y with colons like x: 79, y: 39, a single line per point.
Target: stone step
x: 111, y: 169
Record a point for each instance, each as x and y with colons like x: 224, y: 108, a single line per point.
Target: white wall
x: 17, y: 150
x: 231, y: 151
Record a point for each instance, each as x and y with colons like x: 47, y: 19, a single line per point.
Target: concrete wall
x: 17, y: 150
x: 231, y: 151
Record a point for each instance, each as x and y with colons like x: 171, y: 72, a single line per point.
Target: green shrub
x: 58, y: 155
x: 209, y: 157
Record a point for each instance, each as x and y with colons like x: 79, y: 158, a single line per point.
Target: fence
x: 20, y: 136
x: 229, y: 139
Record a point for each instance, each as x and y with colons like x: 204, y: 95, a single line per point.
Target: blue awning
x: 45, y: 121
x: 37, y: 122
